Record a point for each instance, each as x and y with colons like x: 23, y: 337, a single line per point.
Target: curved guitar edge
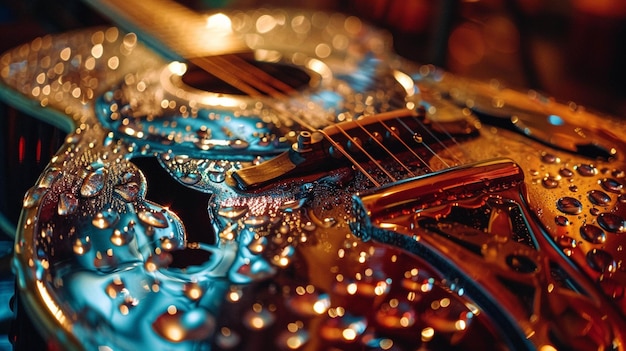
x: 33, y: 108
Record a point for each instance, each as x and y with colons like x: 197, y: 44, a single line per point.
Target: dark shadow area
x: 188, y: 204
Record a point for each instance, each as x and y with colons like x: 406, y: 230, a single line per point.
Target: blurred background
x: 573, y: 50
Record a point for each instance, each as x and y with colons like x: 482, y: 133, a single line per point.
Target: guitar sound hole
x: 292, y: 76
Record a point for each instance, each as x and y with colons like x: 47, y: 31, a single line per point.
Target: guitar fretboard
x: 174, y: 30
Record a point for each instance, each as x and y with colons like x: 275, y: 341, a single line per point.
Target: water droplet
x: 594, y: 211
x: 217, y: 177
x: 105, y: 261
x: 128, y: 303
x: 108, y: 96
x: 49, y: 177
x: 569, y: 205
x: 573, y: 188
x: 108, y: 140
x: 586, y: 170
x: 622, y: 198
x: 396, y: 315
x: 33, y: 197
x: 283, y: 259
x: 126, y: 111
x: 257, y: 221
x: 171, y: 244
x: 309, y: 226
x: 153, y: 219
x: 191, y: 178
x: 565, y: 172
x: 93, y: 183
x: 73, y: 138
x: 218, y: 167
x: 292, y: 205
x: 81, y: 245
x: 233, y: 212
x: 611, y: 185
x: 566, y: 242
x: 105, y: 219
x: 417, y: 138
x: 561, y: 220
x: 618, y: 173
x: 521, y: 263
x: 592, y: 234
x: 181, y: 159
x: 177, y: 326
x: 193, y: 290
x: 239, y: 144
x: 549, y: 183
x: 258, y: 245
x: 115, y: 287
x: 344, y: 328
x: 128, y: 191
x: 158, y: 260
x: 601, y: 261
x: 204, y: 142
x: 550, y: 158
x: 309, y: 302
x: 258, y: 318
x: 68, y: 203
x: 598, y: 197
x: 329, y: 222
x: 612, y: 222
x: 293, y: 340
x: 227, y: 339
x: 120, y: 238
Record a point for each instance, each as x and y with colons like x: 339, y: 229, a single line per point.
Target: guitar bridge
x: 353, y: 142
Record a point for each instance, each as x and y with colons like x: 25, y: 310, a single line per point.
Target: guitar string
x: 356, y: 164
x: 254, y: 75
x: 435, y: 154
x: 246, y: 81
x: 211, y: 67
x: 249, y: 88
x: 392, y: 132
x: 377, y: 141
x: 367, y: 154
x: 438, y: 140
x: 425, y: 94
x: 402, y: 104
x: 258, y: 72
x: 460, y: 147
x: 328, y: 137
x: 251, y: 80
x: 405, y: 145
x: 432, y: 135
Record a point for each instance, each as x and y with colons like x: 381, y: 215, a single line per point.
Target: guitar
x: 320, y: 194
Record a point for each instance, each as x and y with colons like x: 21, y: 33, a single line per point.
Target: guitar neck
x: 171, y: 29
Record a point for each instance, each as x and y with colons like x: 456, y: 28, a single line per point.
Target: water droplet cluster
x: 292, y: 266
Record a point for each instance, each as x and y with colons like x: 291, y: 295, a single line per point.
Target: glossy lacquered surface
x: 423, y: 227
